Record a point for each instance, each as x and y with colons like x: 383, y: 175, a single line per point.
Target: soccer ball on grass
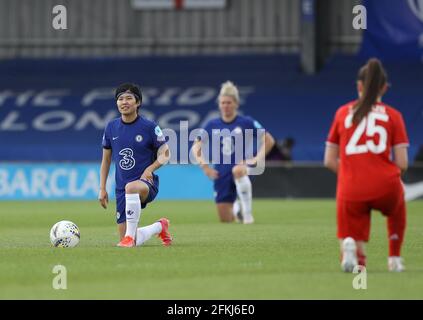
x: 65, y: 234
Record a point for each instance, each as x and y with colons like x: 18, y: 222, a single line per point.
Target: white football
x: 65, y: 234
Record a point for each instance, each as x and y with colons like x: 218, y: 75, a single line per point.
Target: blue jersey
x: 229, y: 145
x: 134, y: 147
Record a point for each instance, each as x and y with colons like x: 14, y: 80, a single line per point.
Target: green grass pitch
x: 291, y: 252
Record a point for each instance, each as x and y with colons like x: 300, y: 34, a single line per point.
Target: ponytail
x: 374, y: 78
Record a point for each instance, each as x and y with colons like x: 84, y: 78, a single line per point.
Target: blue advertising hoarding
x: 67, y: 181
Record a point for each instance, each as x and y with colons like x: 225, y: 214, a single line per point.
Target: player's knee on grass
x: 225, y: 213
x: 239, y: 171
x: 225, y: 219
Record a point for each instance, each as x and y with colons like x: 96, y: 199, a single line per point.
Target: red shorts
x: 353, y: 217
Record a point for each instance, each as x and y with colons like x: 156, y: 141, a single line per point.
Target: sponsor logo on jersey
x: 127, y: 162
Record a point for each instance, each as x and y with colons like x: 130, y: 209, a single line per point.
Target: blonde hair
x: 230, y: 90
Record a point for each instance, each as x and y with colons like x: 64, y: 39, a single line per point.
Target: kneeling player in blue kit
x: 231, y: 180
x: 138, y: 148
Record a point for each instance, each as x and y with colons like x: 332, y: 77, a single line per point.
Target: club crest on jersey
x: 138, y: 138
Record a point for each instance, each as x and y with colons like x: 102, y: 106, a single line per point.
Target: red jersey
x: 366, y: 170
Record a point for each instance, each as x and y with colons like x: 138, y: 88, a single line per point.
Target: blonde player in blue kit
x: 231, y: 180
x: 138, y: 148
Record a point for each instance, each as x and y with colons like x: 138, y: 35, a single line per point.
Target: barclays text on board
x: 71, y: 181
x: 51, y: 181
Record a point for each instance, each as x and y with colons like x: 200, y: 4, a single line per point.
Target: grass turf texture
x: 289, y: 253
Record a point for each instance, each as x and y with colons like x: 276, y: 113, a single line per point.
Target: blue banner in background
x: 56, y: 109
x: 394, y: 29
x: 55, y: 181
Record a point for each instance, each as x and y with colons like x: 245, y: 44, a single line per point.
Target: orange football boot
x: 165, y: 235
x: 127, y: 242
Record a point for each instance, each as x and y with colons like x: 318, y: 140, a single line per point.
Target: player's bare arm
x: 332, y: 158
x: 401, y: 157
x: 267, y: 143
x: 163, y: 157
x: 103, y: 197
x: 208, y: 171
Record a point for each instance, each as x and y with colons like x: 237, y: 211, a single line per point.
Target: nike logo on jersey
x: 114, y: 138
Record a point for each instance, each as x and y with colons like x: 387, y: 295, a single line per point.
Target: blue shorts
x: 120, y: 199
x: 224, y: 188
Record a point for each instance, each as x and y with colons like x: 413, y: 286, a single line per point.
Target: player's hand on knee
x: 103, y: 197
x: 147, y: 175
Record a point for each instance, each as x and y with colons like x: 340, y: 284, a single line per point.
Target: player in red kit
x: 364, y: 135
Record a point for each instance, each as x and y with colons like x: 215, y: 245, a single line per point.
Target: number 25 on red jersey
x: 369, y: 128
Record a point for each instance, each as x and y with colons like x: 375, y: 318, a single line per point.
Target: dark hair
x: 130, y: 88
x: 374, y: 78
